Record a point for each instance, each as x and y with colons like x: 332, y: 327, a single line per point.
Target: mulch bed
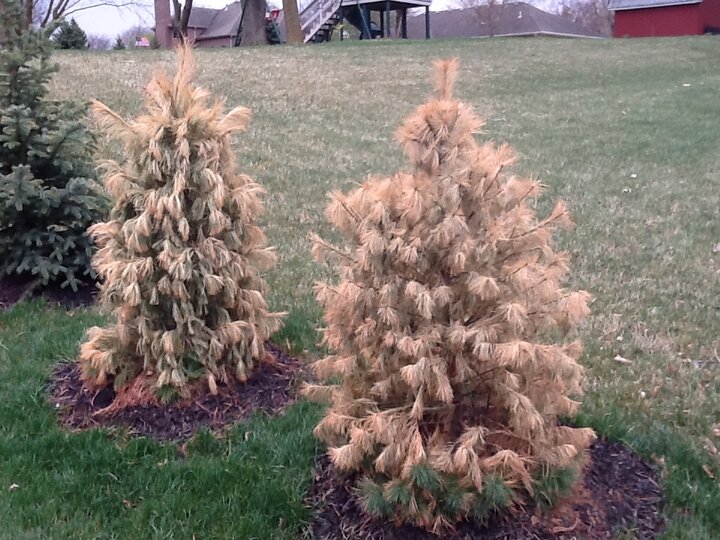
x: 270, y: 389
x: 620, y: 492
x: 12, y: 289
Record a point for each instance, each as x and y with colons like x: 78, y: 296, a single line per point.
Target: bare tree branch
x: 592, y: 14
x: 129, y: 37
x: 487, y: 13
x: 109, y: 3
x: 43, y: 12
x: 99, y: 41
x: 48, y: 14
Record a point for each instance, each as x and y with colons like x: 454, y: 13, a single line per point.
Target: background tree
x: 293, y: 27
x: 119, y: 44
x: 442, y: 330
x: 254, y: 26
x: 131, y: 35
x: 181, y: 252
x: 486, y: 13
x: 594, y: 15
x: 70, y: 36
x: 181, y: 18
x: 99, y: 41
x: 48, y: 197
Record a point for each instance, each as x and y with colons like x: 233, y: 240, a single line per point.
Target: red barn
x: 650, y: 18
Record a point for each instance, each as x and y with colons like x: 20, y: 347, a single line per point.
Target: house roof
x: 225, y: 23
x: 620, y: 5
x: 201, y: 17
x: 216, y: 23
x: 515, y: 19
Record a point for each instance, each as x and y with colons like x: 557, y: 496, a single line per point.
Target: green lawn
x: 626, y: 131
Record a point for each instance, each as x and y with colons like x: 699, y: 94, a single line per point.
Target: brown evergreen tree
x: 440, y: 329
x: 180, y: 255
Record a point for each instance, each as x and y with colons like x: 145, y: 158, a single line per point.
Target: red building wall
x: 710, y: 13
x: 661, y: 21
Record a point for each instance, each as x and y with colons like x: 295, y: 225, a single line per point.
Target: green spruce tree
x: 47, y: 195
x: 70, y: 36
x: 119, y: 44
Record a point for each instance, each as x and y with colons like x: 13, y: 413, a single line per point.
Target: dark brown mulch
x: 620, y: 492
x: 270, y: 389
x: 12, y: 289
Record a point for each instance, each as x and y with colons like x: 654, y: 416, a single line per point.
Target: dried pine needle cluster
x: 450, y: 390
x: 180, y: 254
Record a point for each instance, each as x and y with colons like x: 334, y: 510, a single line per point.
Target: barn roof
x: 619, y: 5
x: 516, y: 19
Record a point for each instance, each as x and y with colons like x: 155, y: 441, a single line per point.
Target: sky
x: 110, y: 21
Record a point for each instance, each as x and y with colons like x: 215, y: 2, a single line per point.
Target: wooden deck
x: 319, y: 17
x: 382, y: 4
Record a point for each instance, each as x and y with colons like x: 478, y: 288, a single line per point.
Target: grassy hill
x: 624, y: 130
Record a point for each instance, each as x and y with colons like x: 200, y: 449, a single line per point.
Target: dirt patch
x: 619, y: 492
x: 270, y: 389
x: 14, y: 288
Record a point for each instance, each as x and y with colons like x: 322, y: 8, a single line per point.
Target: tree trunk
x: 29, y: 6
x: 253, y: 30
x: 293, y: 28
x: 181, y: 18
x: 185, y: 18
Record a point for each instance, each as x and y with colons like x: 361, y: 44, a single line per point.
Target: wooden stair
x: 326, y: 30
x: 318, y: 20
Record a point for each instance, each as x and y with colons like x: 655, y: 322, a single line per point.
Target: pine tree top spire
x: 445, y: 77
x: 174, y: 102
x: 441, y: 130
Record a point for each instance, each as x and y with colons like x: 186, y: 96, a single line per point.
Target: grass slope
x: 109, y: 485
x: 623, y: 130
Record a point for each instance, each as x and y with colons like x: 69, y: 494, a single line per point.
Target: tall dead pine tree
x: 450, y: 387
x: 180, y: 255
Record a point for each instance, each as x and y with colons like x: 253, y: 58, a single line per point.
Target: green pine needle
x: 494, y: 497
x: 425, y: 477
x: 453, y: 498
x: 398, y: 492
x: 551, y: 485
x: 373, y: 498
